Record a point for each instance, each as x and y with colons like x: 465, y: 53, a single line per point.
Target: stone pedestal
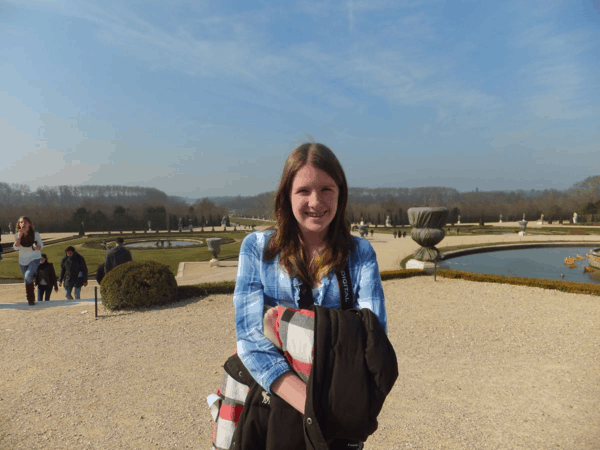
x: 427, y: 266
x: 522, y: 233
x: 214, y: 263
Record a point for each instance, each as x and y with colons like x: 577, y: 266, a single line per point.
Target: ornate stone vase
x: 214, y: 246
x: 427, y: 230
x: 363, y: 229
x: 523, y: 224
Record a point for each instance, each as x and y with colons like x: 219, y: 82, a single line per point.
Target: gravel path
x: 481, y: 366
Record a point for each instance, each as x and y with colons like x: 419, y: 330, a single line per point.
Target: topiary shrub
x: 138, y: 284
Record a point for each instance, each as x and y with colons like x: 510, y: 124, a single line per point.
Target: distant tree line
x: 375, y: 204
x: 102, y: 208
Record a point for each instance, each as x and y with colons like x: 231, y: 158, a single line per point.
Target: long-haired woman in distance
x: 309, y: 245
x: 28, y: 243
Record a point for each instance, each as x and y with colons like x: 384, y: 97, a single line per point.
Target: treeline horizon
x: 375, y: 204
x: 103, y: 208
x: 114, y: 207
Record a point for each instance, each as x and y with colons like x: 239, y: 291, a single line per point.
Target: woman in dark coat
x: 45, y: 279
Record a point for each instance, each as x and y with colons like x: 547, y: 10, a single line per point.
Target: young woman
x: 310, y: 244
x: 45, y: 279
x: 28, y: 243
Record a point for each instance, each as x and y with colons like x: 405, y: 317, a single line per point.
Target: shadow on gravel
x: 44, y: 305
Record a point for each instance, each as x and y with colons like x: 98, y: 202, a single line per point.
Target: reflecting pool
x: 156, y: 245
x: 545, y: 263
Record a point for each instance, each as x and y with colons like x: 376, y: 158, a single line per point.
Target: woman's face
x: 24, y: 224
x: 314, y: 198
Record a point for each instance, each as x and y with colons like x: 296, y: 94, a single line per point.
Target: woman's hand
x: 292, y: 389
x: 37, y: 248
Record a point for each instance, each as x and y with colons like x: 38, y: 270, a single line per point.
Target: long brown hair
x: 28, y: 237
x: 287, y: 239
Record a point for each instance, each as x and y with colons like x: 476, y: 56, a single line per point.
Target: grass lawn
x: 250, y: 222
x: 10, y: 271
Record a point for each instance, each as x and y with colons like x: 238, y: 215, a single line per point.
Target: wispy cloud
x: 561, y: 83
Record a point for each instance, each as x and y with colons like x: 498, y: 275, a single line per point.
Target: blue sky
x: 207, y: 98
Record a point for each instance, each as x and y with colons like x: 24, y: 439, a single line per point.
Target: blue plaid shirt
x: 262, y: 284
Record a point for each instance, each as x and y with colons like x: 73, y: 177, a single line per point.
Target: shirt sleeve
x: 370, y: 290
x: 258, y: 354
x: 38, y: 238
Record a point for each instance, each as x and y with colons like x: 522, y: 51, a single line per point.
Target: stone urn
x: 523, y: 224
x: 363, y: 229
x: 214, y: 247
x: 427, y: 231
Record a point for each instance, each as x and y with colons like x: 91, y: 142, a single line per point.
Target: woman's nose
x: 314, y: 198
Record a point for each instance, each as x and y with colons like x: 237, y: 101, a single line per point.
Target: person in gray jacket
x: 115, y: 257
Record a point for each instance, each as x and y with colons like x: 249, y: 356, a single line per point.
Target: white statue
x: 575, y: 219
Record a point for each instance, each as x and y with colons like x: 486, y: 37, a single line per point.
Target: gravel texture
x: 481, y: 366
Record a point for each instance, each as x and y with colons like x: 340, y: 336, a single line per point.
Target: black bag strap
x: 306, y: 297
x: 345, y: 285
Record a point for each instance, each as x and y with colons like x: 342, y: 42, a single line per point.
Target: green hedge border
x: 564, y: 286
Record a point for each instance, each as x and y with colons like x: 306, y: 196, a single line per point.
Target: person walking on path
x: 115, y: 257
x: 28, y: 243
x: 73, y: 272
x: 45, y: 279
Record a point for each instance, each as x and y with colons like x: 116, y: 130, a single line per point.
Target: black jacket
x: 116, y: 256
x: 46, y: 272
x: 70, y: 268
x: 345, y: 393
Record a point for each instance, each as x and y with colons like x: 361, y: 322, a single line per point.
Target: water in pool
x: 153, y: 244
x: 546, y: 263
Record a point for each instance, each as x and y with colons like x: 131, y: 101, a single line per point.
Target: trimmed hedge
x: 138, y: 284
x: 564, y: 286
x: 404, y: 273
x: 201, y: 290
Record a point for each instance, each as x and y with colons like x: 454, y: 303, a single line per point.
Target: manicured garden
x: 90, y: 248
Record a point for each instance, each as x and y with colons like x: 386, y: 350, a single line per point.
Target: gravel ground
x: 481, y: 366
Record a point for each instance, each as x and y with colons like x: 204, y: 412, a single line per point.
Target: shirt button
x: 309, y: 421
